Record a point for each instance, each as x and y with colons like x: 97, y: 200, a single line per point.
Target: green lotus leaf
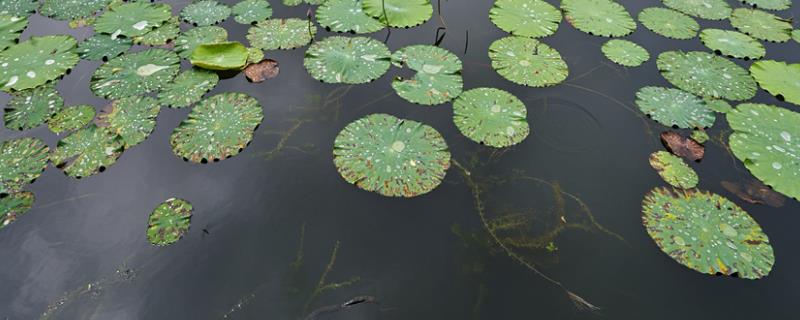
x: 87, y: 151
x: 132, y: 118
x: 707, y: 232
x: 71, y: 118
x: 251, y: 11
x: 31, y: 108
x: 700, y: 136
x: 718, y: 105
x: 187, y: 88
x: 293, y: 3
x: 492, y: 117
x: 135, y: 73
x: 706, y: 75
x: 169, y: 222
x: 217, y: 128
x: 732, y: 44
x: 527, y: 18
x: 761, y: 25
x: 281, y: 34
x: 10, y: 29
x: 527, y: 62
x: 673, y: 170
x: 346, y: 16
x: 162, y: 35
x: 765, y: 138
x: 703, y: 9
x: 22, y: 160
x: 220, y: 56
x: 778, y: 78
x: 673, y: 107
x: 438, y: 78
x: 399, y: 13
x: 796, y: 35
x: 19, y: 8
x: 770, y: 4
x: 14, y: 206
x: 205, y: 12
x: 625, y: 53
x: 37, y: 61
x: 254, y: 55
x: 350, y: 60
x: 605, y: 18
x: 132, y: 19
x: 103, y: 47
x: 68, y: 10
x: 190, y: 39
x: 669, y: 23
x: 391, y: 156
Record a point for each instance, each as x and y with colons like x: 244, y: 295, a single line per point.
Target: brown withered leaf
x: 681, y: 146
x: 755, y: 192
x: 258, y: 72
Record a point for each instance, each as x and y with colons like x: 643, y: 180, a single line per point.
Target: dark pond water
x: 587, y: 136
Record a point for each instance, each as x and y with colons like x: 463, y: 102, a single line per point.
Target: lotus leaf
x: 770, y: 4
x: 71, y: 9
x: 351, y: 60
x: 718, y: 105
x: 14, y: 206
x: 293, y: 3
x: 706, y: 75
x: 491, y: 116
x: 778, y: 78
x: 761, y: 25
x: 673, y: 107
x: 87, y: 151
x: 438, y: 77
x: 31, y: 108
x: 162, y: 35
x: 625, y: 53
x: 669, y: 23
x: 135, y: 73
x: 187, y: 88
x: 103, y: 47
x: 527, y: 62
x: 10, y: 29
x: 796, y: 35
x: 254, y: 55
x: 704, y: 9
x: 205, y: 12
x: 527, y: 18
x: 281, y: 34
x: 700, y: 136
x: 132, y: 19
x: 399, y: 13
x: 605, y: 18
x: 169, y: 222
x: 22, y: 160
x: 37, y: 61
x: 673, y: 170
x: 132, y: 118
x: 220, y: 56
x: 189, y: 40
x: 732, y: 44
x: 346, y: 16
x: 71, y: 118
x: 251, y: 11
x: 19, y: 8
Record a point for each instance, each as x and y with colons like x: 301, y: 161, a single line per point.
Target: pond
x: 548, y: 224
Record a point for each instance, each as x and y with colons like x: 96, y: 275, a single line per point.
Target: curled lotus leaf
x: 673, y: 107
x: 399, y: 13
x: 13, y: 206
x: 220, y: 56
x: 205, y: 12
x: 346, y: 16
x: 351, y: 60
x: 282, y: 34
x: 87, y: 151
x: 103, y: 47
x: 761, y: 25
x: 706, y: 75
x: 132, y: 19
x: 251, y: 11
x: 683, y: 147
x: 605, y: 18
x: 19, y: 8
x: 22, y: 160
x: 71, y: 118
x: 164, y: 34
x: 169, y: 222
x: 491, y: 116
x: 778, y: 78
x: 438, y: 78
x: 190, y: 39
x: 71, y: 9
x: 669, y: 23
x: 733, y: 44
x: 703, y: 9
x: 37, y: 61
x: 527, y: 18
x: 626, y: 53
x: 673, y: 170
x: 187, y: 88
x: 527, y: 62
x: 10, y: 29
x: 132, y: 118
x: 264, y: 70
x: 31, y: 108
x: 135, y: 73
x: 390, y: 156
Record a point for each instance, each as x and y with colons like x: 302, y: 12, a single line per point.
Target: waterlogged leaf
x: 162, y: 35
x: 706, y: 75
x: 767, y: 139
x: 254, y: 55
x: 527, y: 62
x: 346, y: 16
x: 438, y: 77
x: 605, y: 18
x: 220, y: 56
x: 683, y: 147
x: 31, y: 108
x: 778, y: 78
x: 37, y: 61
x: 350, y: 60
x: 10, y: 29
x: 391, y: 156
x: 103, y: 47
x: 707, y: 232
x: 673, y: 107
x: 189, y: 40
x: 770, y: 4
x: 169, y: 222
x: 527, y: 18
x: 71, y: 118
x: 281, y: 34
x: 251, y: 11
x: 22, y: 160
x: 264, y: 70
x: 399, y: 13
x: 625, y: 53
x: 718, y: 105
x: 187, y: 88
x: 135, y: 73
x: 87, y: 151
x: 704, y: 9
x: 669, y: 23
x: 217, y: 128
x: 205, y: 12
x: 132, y: 19
x: 19, y: 8
x: 732, y: 44
x: 68, y: 10
x: 132, y: 118
x: 700, y: 136
x: 755, y: 192
x: 761, y: 25
x: 673, y: 170
x: 491, y: 116
x: 14, y: 206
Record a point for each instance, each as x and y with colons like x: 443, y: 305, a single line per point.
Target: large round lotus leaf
x: 187, y: 88
x: 71, y: 118
x: 205, y: 12
x: 10, y: 29
x: 31, y: 108
x: 132, y: 118
x: 732, y: 44
x: 393, y: 157
x: 71, y: 9
x: 217, y: 128
x: 625, y: 53
x: 346, y: 16
x: 169, y: 222
x: 767, y: 139
x: 351, y: 60
x: 14, y: 206
x: 673, y: 170
x: 673, y: 107
x: 132, y: 19
x: 778, y: 78
x: 162, y: 35
x: 103, y: 47
x: 87, y: 151
x: 706, y: 75
x: 491, y: 116
x: 135, y: 73
x: 605, y: 18
x: 718, y: 105
x: 399, y: 13
x: 669, y: 23
x: 37, y: 61
x: 707, y: 232
x: 19, y: 8
x: 527, y: 18
x: 770, y: 4
x: 761, y: 25
x: 438, y: 77
x: 527, y: 62
x: 220, y: 56
x: 281, y: 34
x: 251, y: 11
x: 22, y: 160
x: 704, y: 9
x: 190, y: 39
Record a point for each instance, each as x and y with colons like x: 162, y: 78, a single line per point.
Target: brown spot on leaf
x: 264, y: 70
x: 681, y: 146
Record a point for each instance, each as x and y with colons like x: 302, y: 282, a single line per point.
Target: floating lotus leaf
x: 19, y: 8
x: 281, y: 34
x: 625, y: 53
x: 22, y: 160
x: 103, y: 47
x: 135, y: 73
x: 265, y: 69
x: 770, y: 4
x: 132, y: 118
x: 189, y: 40
x: 71, y: 118
x: 31, y: 108
x: 217, y: 128
x: 14, y: 206
x: 718, y: 105
x: 71, y: 9
x: 254, y: 55
x: 527, y: 18
x: 491, y: 116
x: 251, y: 11
x: 393, y: 157
x: 169, y: 222
x: 673, y: 107
x: 162, y: 35
x: 605, y: 18
x: 732, y: 44
x: 704, y: 9
x: 778, y: 78
x: 700, y: 136
x: 761, y: 25
x: 399, y: 13
x: 438, y: 77
x: 767, y: 139
x: 527, y: 62
x: 707, y: 232
x: 205, y: 12
x: 187, y: 88
x: 669, y: 23
x: 346, y: 16
x: 132, y: 19
x: 220, y: 56
x: 796, y: 35
x: 673, y: 170
x: 706, y: 75
x: 351, y: 60
x: 10, y: 29
x: 87, y: 151
x: 37, y: 61
x: 293, y: 3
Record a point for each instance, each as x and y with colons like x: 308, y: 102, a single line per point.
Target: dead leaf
x: 755, y: 192
x: 258, y: 72
x: 682, y: 147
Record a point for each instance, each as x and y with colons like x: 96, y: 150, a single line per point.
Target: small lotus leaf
x: 135, y: 73
x: 71, y: 118
x: 31, y: 108
x: 187, y: 88
x: 669, y: 23
x: 718, y: 105
x: 87, y: 151
x: 10, y: 29
x: 281, y: 34
x: 220, y: 56
x: 351, y: 60
x: 22, y: 160
x: 706, y: 75
x: 251, y: 11
x: 700, y: 136
x: 626, y: 53
x: 438, y: 78
x: 673, y: 170
x: 103, y: 47
x: 399, y: 13
x: 14, y: 206
x: 132, y: 118
x: 605, y: 18
x: 761, y: 25
x: 169, y: 222
x: 527, y: 18
x: 37, y: 61
x: 190, y: 39
x: 491, y: 116
x: 346, y: 16
x: 254, y: 55
x: 19, y: 8
x: 703, y: 9
x: 71, y: 9
x: 132, y: 19
x: 673, y: 107
x: 527, y: 62
x: 770, y: 4
x: 778, y: 78
x: 205, y: 12
x: 732, y: 44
